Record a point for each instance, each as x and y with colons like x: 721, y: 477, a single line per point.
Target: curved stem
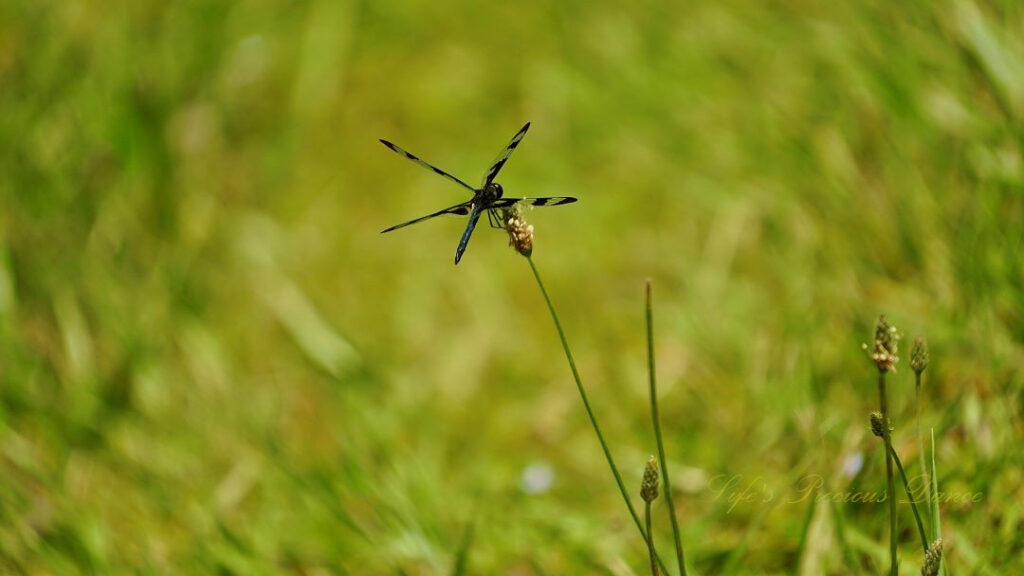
x: 910, y: 496
x: 590, y: 413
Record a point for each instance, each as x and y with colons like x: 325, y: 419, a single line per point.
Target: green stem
x: 910, y: 495
x: 657, y: 433
x: 650, y: 541
x: 890, y: 483
x: 937, y: 526
x: 925, y: 481
x: 590, y: 413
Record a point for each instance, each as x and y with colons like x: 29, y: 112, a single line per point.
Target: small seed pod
x: 932, y: 559
x: 919, y: 355
x: 886, y: 345
x: 649, y: 485
x: 877, y: 424
x: 520, y: 234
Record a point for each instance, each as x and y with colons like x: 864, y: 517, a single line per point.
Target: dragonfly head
x: 493, y: 191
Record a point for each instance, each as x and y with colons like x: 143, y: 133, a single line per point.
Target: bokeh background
x: 212, y: 362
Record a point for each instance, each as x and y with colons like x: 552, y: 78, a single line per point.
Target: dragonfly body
x: 488, y: 198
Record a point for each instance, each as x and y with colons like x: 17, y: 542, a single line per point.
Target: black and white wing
x: 492, y: 172
x: 427, y: 165
x: 459, y: 210
x: 545, y: 201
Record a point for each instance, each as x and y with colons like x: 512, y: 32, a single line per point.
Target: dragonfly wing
x: 427, y: 165
x: 473, y: 217
x: 492, y: 172
x: 545, y: 201
x: 458, y: 209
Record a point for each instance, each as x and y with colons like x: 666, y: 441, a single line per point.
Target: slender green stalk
x: 910, y: 496
x: 890, y: 483
x: 650, y: 541
x: 590, y: 413
x: 656, y: 420
x: 919, y: 358
x: 925, y: 482
x: 937, y: 526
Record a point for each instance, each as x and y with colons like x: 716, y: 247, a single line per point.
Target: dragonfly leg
x: 494, y: 219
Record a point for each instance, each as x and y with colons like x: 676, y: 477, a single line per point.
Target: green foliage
x: 210, y: 360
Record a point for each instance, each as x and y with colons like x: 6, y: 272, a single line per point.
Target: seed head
x: 883, y: 353
x: 520, y: 234
x: 932, y: 559
x: 919, y: 355
x: 877, y: 424
x: 649, y: 485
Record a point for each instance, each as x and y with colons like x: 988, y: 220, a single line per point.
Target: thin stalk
x: 890, y: 482
x: 910, y: 496
x: 657, y: 433
x: 925, y: 481
x: 590, y: 413
x: 937, y: 526
x: 650, y: 541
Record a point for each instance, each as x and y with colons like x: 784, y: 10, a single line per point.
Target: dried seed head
x: 883, y: 353
x: 919, y: 355
x: 649, y: 485
x: 877, y: 424
x: 932, y: 559
x: 520, y: 234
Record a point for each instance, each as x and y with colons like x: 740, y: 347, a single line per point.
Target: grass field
x: 211, y: 362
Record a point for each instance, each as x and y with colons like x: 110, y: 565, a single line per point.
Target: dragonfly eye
x: 497, y: 190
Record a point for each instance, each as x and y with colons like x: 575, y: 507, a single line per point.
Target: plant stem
x: 890, y: 483
x: 925, y: 481
x: 650, y: 541
x: 657, y: 432
x: 910, y: 495
x: 590, y: 413
x: 934, y: 504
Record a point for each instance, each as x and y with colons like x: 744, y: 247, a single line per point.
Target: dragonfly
x: 488, y: 198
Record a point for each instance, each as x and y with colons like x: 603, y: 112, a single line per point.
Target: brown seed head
x: 877, y: 424
x: 520, y: 233
x: 932, y: 559
x: 919, y: 355
x: 883, y: 353
x: 649, y: 485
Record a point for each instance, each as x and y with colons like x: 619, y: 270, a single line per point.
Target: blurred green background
x: 212, y: 362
